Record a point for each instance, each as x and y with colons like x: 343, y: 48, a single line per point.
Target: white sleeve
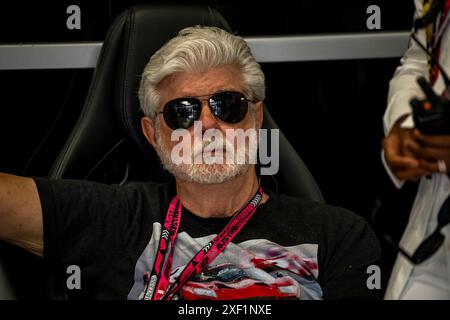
x: 396, y: 181
x: 403, y: 85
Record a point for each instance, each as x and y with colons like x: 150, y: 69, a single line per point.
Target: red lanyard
x: 163, y: 261
x: 157, y: 283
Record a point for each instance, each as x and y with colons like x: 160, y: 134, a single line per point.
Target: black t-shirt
x: 290, y: 248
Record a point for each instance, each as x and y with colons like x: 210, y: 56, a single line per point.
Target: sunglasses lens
x: 181, y: 113
x: 229, y: 107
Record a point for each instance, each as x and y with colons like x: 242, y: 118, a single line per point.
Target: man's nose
x: 207, y: 117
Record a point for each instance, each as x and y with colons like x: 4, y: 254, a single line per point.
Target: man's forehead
x: 206, y: 92
x: 202, y: 83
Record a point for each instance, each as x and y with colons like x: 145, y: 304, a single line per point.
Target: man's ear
x: 148, y: 128
x: 259, y: 113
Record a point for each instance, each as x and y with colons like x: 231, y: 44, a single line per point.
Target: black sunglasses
x: 433, y: 242
x: 228, y: 106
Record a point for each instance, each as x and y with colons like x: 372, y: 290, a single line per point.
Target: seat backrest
x: 107, y: 143
x: 6, y: 290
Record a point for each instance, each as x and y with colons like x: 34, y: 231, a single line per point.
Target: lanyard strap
x: 156, y: 283
x: 156, y: 288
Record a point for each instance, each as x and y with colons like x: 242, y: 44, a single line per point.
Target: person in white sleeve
x: 422, y: 268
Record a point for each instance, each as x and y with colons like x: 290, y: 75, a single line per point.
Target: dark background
x: 331, y: 111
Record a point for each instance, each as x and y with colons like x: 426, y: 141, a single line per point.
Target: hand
x: 428, y: 149
x: 403, y: 162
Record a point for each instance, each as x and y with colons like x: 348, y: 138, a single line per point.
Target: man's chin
x: 208, y: 174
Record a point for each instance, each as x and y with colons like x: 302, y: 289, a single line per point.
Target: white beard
x: 204, y: 173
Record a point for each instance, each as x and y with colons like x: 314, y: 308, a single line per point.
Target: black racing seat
x: 107, y: 144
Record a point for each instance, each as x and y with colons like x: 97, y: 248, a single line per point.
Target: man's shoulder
x: 315, y: 212
x: 147, y: 186
x: 132, y: 185
x: 309, y: 206
x: 332, y: 225
x: 65, y: 189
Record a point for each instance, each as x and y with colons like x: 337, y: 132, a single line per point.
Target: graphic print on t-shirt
x: 251, y: 269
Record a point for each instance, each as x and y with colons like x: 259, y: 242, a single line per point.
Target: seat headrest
x: 145, y: 30
x: 111, y: 113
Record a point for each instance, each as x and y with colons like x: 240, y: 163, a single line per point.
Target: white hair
x: 197, y: 49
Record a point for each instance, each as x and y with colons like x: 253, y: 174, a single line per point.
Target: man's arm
x: 401, y: 162
x: 403, y: 85
x: 21, y: 213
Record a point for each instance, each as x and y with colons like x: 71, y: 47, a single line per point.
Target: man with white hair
x: 216, y: 233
